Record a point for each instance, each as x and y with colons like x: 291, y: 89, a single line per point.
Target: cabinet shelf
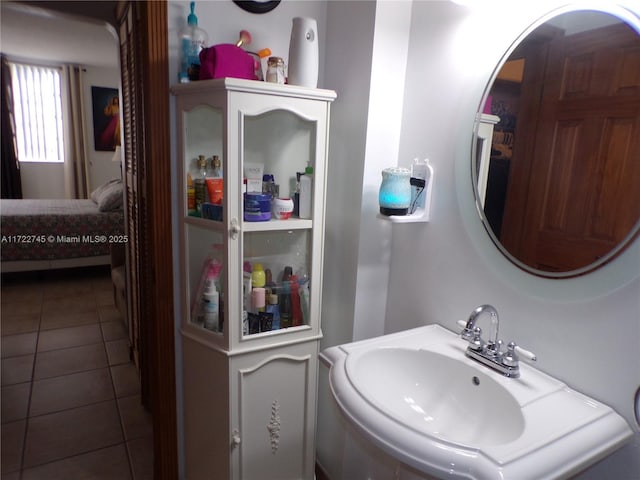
x: 269, y: 226
x: 277, y: 225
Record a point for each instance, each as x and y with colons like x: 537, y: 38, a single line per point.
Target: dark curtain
x: 10, y: 174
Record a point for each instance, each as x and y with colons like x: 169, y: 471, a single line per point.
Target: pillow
x: 98, y: 191
x: 110, y: 198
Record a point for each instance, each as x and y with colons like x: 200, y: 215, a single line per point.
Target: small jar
x: 282, y: 208
x: 275, y: 70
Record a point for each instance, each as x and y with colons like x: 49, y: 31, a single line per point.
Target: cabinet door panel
x: 276, y: 417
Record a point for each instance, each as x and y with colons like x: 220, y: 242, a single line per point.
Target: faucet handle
x: 526, y: 354
x: 466, y: 333
x: 476, y: 343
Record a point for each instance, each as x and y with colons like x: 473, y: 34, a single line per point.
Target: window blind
x: 38, y: 112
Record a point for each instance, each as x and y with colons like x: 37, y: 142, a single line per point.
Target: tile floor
x: 70, y: 395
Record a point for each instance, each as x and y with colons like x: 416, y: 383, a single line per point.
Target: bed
x: 48, y: 234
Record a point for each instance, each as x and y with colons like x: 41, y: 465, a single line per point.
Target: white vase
x: 303, y: 53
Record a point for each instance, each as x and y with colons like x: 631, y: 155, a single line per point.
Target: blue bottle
x: 192, y: 40
x: 274, y: 309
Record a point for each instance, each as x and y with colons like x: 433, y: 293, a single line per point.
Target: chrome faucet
x: 490, y: 353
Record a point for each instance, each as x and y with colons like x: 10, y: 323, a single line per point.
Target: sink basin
x: 417, y: 396
x: 437, y: 395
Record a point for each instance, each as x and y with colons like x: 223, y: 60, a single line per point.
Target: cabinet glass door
x: 204, y: 231
x: 204, y: 183
x: 278, y: 156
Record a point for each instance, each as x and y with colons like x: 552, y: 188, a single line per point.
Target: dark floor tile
x: 114, y: 330
x: 70, y: 360
x: 70, y: 391
x: 17, y: 369
x: 12, y: 443
x: 68, y: 287
x: 109, y: 463
x: 21, y: 291
x: 16, y: 324
x: 10, y: 476
x: 22, y: 344
x: 69, y: 337
x: 110, y: 314
x: 104, y: 298
x: 136, y: 421
x: 126, y: 381
x: 51, y: 320
x: 141, y: 453
x: 76, y: 304
x: 15, y: 401
x: 118, y: 351
x: 80, y: 430
x: 21, y: 308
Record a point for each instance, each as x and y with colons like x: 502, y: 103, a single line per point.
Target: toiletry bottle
x: 285, y: 305
x: 191, y: 196
x: 296, y: 195
x: 201, y: 184
x: 258, y: 276
x: 192, y: 40
x: 211, y: 307
x: 215, y: 182
x: 296, y: 310
x: 303, y: 291
x: 274, y: 309
x: 216, y: 167
x: 268, y: 280
x: 287, y: 274
x: 306, y: 185
x: 258, y: 299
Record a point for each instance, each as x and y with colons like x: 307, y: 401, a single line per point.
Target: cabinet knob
x: 235, y: 438
x: 235, y: 228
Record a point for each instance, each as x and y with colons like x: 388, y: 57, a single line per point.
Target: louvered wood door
x: 130, y: 113
x: 145, y: 87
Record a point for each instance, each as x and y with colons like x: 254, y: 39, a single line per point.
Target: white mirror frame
x: 609, y: 277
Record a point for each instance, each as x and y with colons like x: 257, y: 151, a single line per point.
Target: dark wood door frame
x: 147, y: 144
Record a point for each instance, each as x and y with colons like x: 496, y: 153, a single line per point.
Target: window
x: 37, y: 106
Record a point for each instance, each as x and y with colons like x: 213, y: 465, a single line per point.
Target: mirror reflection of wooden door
x: 587, y: 155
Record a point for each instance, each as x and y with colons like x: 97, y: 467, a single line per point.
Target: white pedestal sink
x: 418, y: 397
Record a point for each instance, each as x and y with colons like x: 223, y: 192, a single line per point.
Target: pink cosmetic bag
x: 226, y: 60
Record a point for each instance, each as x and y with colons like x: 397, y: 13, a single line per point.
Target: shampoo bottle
x: 192, y: 40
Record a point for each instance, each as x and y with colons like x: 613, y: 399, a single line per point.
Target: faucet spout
x: 475, y: 315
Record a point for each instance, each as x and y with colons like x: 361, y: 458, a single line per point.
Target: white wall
x: 63, y: 39
x: 42, y: 180
x: 586, y: 330
x: 101, y: 166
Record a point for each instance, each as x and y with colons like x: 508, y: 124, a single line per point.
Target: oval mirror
x: 556, y: 161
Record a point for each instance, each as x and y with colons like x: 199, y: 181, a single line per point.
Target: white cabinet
x: 250, y: 381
